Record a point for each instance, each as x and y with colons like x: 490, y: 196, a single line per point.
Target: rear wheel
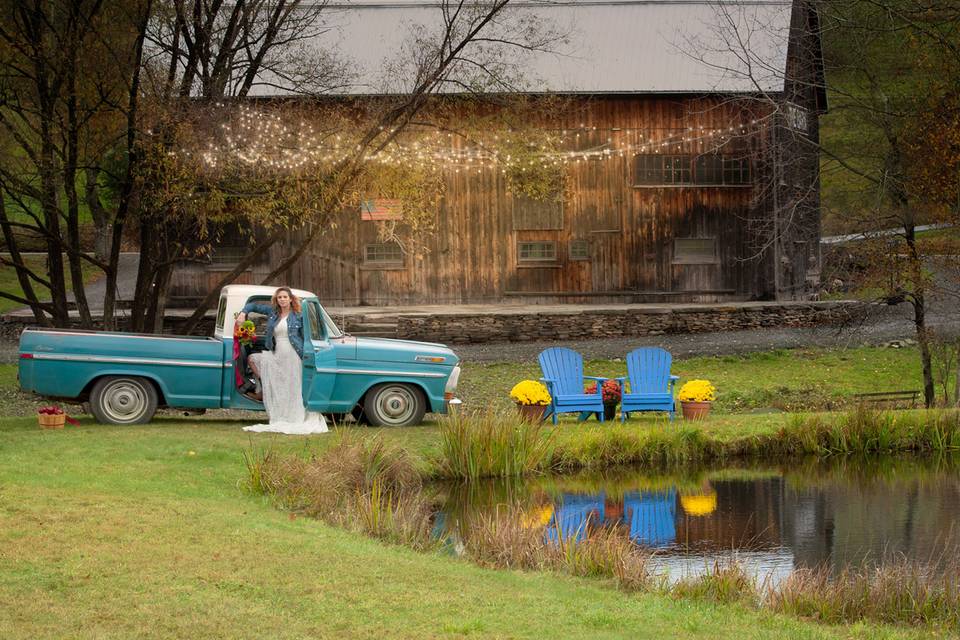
x: 394, y: 405
x: 123, y: 400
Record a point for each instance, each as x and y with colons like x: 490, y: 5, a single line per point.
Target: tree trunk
x: 133, y: 156
x: 101, y: 218
x: 73, y: 201
x: 929, y: 394
x: 145, y: 276
x: 163, y: 276
x: 918, y: 299
x: 51, y: 212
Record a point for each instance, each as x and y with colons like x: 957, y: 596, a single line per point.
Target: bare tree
x: 198, y: 53
x: 68, y: 97
x: 886, y: 63
x: 468, y: 51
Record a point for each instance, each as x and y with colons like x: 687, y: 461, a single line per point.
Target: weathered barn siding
x: 472, y: 254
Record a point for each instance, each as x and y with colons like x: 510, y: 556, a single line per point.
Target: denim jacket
x: 294, y: 325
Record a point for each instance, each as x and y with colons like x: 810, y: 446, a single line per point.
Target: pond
x: 771, y: 519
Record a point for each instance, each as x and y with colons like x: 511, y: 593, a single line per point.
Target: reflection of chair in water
x: 652, y: 516
x: 573, y: 516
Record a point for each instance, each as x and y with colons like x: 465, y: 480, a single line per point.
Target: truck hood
x: 389, y: 350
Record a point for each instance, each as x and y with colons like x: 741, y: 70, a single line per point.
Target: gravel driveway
x: 690, y: 345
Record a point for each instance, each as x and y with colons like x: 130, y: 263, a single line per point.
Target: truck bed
x: 188, y: 371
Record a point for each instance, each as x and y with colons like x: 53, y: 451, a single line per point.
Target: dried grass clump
x: 866, y: 431
x: 492, y: 444
x: 724, y: 582
x: 503, y: 541
x: 902, y: 593
x: 357, y: 483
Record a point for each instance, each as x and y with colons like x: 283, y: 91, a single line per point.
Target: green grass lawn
x: 10, y: 283
x: 144, y: 532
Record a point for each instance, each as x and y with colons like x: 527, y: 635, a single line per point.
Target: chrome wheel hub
x: 124, y: 401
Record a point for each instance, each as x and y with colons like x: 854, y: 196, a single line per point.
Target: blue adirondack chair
x: 651, y: 385
x: 563, y: 374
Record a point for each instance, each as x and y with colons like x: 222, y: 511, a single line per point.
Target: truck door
x: 319, y: 360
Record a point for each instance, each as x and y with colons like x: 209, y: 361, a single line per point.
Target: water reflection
x: 772, y: 519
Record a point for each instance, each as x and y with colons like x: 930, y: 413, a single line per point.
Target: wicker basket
x: 51, y: 421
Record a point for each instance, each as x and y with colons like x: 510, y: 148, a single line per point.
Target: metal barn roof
x: 607, y: 46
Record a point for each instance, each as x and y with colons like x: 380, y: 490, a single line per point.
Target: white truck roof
x: 236, y: 295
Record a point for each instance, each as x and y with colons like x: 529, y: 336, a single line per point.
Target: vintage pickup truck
x: 126, y: 376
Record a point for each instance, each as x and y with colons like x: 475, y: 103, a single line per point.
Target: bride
x: 280, y: 367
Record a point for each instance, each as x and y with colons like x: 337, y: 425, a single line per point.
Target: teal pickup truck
x: 126, y: 376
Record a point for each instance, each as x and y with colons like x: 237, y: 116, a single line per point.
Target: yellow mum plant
x: 530, y: 392
x: 697, y: 391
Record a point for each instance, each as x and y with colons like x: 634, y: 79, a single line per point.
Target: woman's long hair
x: 294, y: 300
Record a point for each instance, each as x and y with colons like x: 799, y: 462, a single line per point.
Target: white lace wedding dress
x: 281, y: 376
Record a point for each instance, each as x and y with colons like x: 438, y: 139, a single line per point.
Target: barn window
x: 537, y: 251
x: 227, y: 255
x: 579, y: 250
x: 694, y: 250
x: 736, y: 171
x: 530, y: 214
x: 656, y: 169
x: 708, y: 169
x: 383, y: 254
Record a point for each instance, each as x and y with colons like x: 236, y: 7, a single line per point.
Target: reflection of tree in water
x: 873, y: 511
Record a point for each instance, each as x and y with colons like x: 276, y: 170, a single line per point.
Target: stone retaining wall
x: 616, y: 323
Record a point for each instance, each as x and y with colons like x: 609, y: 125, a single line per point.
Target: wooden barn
x: 688, y: 177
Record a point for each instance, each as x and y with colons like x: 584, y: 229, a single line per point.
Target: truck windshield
x: 221, y: 315
x: 332, y: 330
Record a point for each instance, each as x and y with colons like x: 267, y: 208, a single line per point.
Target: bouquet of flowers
x: 697, y: 391
x: 530, y: 392
x: 245, y: 333
x: 610, y: 390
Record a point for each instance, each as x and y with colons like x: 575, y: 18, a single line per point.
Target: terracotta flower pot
x: 695, y: 410
x: 531, y: 412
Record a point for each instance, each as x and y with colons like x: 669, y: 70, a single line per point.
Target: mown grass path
x: 144, y: 532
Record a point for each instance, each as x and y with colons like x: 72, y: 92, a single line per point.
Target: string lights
x: 266, y: 139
